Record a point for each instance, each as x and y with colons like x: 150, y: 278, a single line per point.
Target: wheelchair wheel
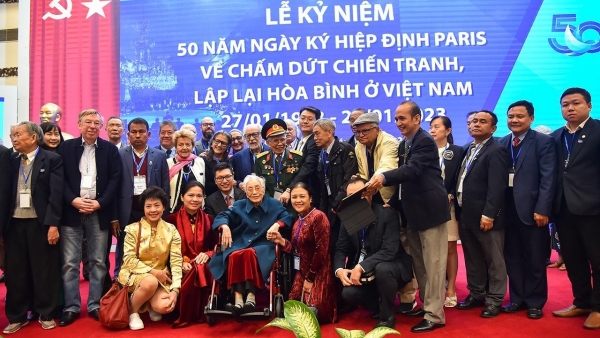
x: 278, y: 306
x: 211, y: 320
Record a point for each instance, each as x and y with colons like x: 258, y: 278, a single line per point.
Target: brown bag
x: 114, y: 305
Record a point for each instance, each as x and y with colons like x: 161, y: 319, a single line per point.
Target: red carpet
x: 459, y: 323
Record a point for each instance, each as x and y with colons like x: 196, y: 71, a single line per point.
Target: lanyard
x: 512, y: 153
x: 277, y: 169
x: 138, y: 166
x: 300, y: 227
x: 472, y: 157
x: 324, y: 160
x: 186, y: 176
x: 216, y: 159
x: 569, y: 148
x: 363, y: 239
x: 442, y: 159
x: 26, y: 177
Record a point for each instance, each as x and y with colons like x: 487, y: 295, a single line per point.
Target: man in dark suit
x: 481, y: 186
x: 32, y: 275
x: 577, y: 203
x: 375, y: 250
x: 92, y: 181
x: 142, y: 167
x: 243, y: 161
x: 5, y: 183
x: 228, y: 193
x: 420, y: 179
x: 353, y: 116
x: 166, y: 131
x: 208, y: 130
x: 531, y: 184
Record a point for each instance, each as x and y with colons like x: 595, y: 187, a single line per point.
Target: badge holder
x: 25, y: 198
x: 296, y: 261
x: 277, y: 193
x: 327, y: 185
x: 511, y: 177
x: 139, y: 184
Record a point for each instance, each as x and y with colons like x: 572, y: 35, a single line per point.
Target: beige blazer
x: 385, y: 158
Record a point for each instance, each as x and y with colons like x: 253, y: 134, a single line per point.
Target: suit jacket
x: 5, y: 186
x: 108, y: 181
x: 308, y: 167
x: 579, y: 182
x: 452, y: 166
x: 47, y: 184
x: 215, y: 203
x: 341, y: 166
x: 200, y: 147
x: 242, y: 163
x: 385, y: 159
x: 534, y: 182
x: 424, y: 200
x: 484, y: 186
x: 383, y: 240
x: 158, y: 176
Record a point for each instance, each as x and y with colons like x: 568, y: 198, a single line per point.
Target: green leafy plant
x: 303, y: 323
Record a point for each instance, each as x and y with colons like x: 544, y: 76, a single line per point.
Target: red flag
x: 74, y: 58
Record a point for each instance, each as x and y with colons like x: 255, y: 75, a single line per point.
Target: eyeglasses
x: 208, y: 124
x: 92, y: 123
x: 221, y: 178
x: 363, y: 132
x: 238, y: 139
x: 251, y: 135
x: 220, y: 143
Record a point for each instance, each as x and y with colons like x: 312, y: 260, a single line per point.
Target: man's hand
x: 486, y: 224
x: 375, y: 184
x: 342, y: 274
x: 226, y: 240
x: 201, y: 258
x: 94, y: 204
x: 81, y: 205
x: 116, y: 228
x: 53, y: 235
x: 284, y: 198
x: 540, y: 220
x: 355, y: 276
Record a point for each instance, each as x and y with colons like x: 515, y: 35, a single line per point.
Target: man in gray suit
x: 143, y: 167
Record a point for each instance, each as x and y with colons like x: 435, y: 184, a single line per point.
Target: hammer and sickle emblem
x: 64, y: 12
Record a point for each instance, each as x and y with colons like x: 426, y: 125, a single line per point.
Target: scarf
x: 181, y: 162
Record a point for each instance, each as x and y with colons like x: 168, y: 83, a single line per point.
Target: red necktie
x: 516, y: 141
x: 228, y: 200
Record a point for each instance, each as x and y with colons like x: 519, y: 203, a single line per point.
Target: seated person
x: 227, y: 194
x: 197, y: 245
x: 313, y: 284
x: 377, y: 250
x: 153, y: 285
x: 247, y: 256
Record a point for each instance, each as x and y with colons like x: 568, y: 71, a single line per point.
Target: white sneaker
x: 135, y: 322
x: 154, y: 316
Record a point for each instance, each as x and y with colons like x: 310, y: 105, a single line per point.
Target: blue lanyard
x: 442, y: 159
x: 26, y: 177
x: 277, y: 169
x: 186, y: 176
x: 472, y: 158
x: 216, y: 159
x: 569, y: 148
x: 300, y: 227
x: 324, y: 160
x: 512, y: 154
x: 363, y: 239
x: 138, y: 166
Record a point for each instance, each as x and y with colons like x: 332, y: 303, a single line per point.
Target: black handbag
x: 312, y: 308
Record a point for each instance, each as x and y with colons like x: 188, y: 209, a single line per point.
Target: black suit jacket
x: 215, y: 203
x: 308, y: 167
x: 341, y: 166
x: 485, y: 186
x: 579, y: 182
x: 5, y: 186
x: 452, y: 165
x: 424, y: 201
x: 383, y: 238
x: 108, y: 182
x: 47, y: 184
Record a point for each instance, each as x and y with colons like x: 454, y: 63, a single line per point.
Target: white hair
x: 252, y: 125
x: 253, y: 177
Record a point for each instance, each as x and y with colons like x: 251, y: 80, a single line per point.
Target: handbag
x: 114, y: 305
x: 312, y: 308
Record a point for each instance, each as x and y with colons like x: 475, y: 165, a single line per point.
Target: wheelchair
x: 280, y: 283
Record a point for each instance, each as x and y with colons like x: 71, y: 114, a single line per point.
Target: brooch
x: 448, y: 155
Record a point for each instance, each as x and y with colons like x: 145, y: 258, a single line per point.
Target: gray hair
x: 33, y: 129
x: 89, y: 112
x: 325, y: 124
x: 253, y: 177
x: 252, y: 125
x: 543, y: 129
x: 190, y: 127
x: 168, y: 123
x: 236, y: 131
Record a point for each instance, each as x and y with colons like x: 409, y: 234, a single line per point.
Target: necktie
x: 300, y: 145
x: 228, y: 200
x: 516, y: 141
x: 169, y: 151
x: 277, y: 158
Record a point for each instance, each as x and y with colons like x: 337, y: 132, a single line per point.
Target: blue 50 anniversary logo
x: 574, y: 43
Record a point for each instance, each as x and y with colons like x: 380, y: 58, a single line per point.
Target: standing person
x: 291, y: 134
x: 577, y: 204
x: 313, y: 283
x: 92, y: 179
x: 115, y: 130
x: 309, y: 151
x: 184, y: 167
x: 531, y: 187
x: 237, y: 141
x: 31, y: 236
x: 5, y: 173
x: 243, y: 161
x: 351, y: 119
x: 52, y: 136
x: 197, y: 150
x: 142, y: 167
x: 208, y: 130
x: 450, y: 157
x: 481, y: 186
x: 167, y: 144
x: 419, y: 179
x: 218, y: 152
x: 227, y: 194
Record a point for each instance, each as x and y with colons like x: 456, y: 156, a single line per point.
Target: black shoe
x: 236, y: 311
x: 426, y: 326
x: 470, y: 303
x: 513, y: 308
x: 33, y: 316
x: 375, y: 314
x: 344, y: 309
x: 68, y: 318
x: 490, y: 311
x: 415, y: 313
x: 94, y: 314
x: 406, y: 307
x: 534, y: 313
x: 249, y: 307
x: 390, y: 322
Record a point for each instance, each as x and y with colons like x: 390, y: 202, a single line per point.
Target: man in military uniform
x: 279, y: 165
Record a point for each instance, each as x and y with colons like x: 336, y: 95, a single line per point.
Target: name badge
x: 139, y: 184
x: 277, y: 193
x: 296, y: 262
x: 25, y: 198
x: 399, y: 191
x: 327, y: 186
x: 511, y: 177
x: 86, y: 182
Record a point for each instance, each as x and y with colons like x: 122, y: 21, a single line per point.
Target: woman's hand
x: 274, y: 228
x: 307, y: 287
x: 226, y: 239
x: 186, y: 267
x: 163, y: 276
x: 172, y: 296
x: 275, y: 237
x: 201, y: 258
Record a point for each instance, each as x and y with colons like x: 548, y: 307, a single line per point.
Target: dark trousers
x: 32, y: 271
x: 379, y: 293
x: 525, y: 253
x: 580, y: 246
x: 484, y: 262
